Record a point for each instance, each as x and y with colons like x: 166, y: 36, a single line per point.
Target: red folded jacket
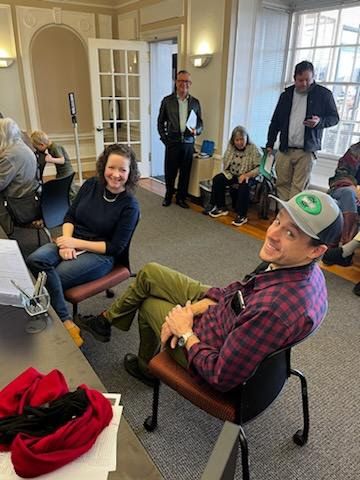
x: 33, y: 456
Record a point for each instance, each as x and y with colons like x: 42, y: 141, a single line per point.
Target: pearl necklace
x: 110, y: 200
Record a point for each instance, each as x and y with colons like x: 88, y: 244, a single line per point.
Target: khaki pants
x: 155, y: 291
x: 293, y: 170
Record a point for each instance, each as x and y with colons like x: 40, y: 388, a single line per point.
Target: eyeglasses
x: 185, y: 82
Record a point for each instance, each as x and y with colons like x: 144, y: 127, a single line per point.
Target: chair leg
x: 109, y: 293
x: 244, y: 454
x: 75, y: 309
x: 48, y: 234
x: 151, y: 422
x: 301, y: 436
x: 38, y: 237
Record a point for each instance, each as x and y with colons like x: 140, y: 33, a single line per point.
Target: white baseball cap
x: 316, y: 214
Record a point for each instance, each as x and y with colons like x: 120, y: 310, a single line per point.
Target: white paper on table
x: 92, y: 465
x: 13, y: 267
x: 192, y: 120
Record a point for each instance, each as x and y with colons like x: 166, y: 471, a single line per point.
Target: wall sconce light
x: 6, y: 61
x: 201, y: 60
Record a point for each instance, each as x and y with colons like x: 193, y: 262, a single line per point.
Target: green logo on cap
x: 309, y: 203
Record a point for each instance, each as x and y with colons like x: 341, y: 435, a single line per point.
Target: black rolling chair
x: 240, y: 405
x: 54, y: 203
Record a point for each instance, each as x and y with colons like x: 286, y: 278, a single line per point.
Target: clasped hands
x: 244, y: 178
x: 177, y: 322
x: 67, y: 247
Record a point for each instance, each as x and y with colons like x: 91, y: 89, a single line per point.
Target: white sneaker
x: 239, y: 221
x: 218, y: 212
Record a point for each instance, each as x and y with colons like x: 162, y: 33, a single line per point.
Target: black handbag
x: 24, y: 210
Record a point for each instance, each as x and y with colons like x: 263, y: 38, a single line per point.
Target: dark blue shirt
x: 96, y: 219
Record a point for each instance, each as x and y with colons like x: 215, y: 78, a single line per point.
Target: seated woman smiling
x: 99, y: 224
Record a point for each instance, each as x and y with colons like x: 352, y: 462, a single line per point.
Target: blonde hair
x: 38, y: 137
x: 9, y: 134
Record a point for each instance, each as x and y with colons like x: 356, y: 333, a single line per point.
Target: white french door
x: 119, y: 76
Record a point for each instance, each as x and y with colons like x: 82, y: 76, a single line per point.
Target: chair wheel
x: 149, y: 424
x: 110, y: 293
x: 299, y: 438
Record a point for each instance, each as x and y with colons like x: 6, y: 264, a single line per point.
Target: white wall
x: 11, y: 103
x: 206, y: 25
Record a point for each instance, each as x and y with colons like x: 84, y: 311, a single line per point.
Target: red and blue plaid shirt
x: 281, y: 306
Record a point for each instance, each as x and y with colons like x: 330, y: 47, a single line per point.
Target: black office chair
x: 240, y: 405
x: 54, y: 203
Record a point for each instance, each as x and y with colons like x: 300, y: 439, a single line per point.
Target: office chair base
x: 150, y: 425
x: 299, y: 438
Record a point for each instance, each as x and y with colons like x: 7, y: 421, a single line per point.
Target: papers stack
x: 93, y: 465
x: 12, y: 267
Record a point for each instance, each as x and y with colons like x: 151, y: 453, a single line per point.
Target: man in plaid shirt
x: 222, y: 334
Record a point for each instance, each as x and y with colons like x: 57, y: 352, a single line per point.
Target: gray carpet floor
x: 180, y: 447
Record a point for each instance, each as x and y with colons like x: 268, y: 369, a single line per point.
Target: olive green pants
x: 155, y: 291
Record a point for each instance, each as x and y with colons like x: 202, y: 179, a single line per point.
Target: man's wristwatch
x: 184, y: 338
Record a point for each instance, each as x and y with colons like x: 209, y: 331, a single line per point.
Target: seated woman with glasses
x: 241, y: 163
x: 97, y: 229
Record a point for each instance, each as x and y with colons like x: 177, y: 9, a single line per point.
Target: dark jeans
x: 178, y: 157
x: 239, y: 193
x: 64, y: 274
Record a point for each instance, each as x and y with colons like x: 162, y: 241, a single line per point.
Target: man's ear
x: 318, y: 251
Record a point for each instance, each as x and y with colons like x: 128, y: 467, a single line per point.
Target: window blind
x: 269, y: 61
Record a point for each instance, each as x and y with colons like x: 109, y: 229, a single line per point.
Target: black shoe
x: 182, y: 203
x: 207, y: 210
x: 132, y: 367
x: 333, y: 256
x: 356, y: 289
x: 166, y: 202
x: 98, y: 326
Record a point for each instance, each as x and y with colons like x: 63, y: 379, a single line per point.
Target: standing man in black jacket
x: 301, y: 114
x: 178, y: 138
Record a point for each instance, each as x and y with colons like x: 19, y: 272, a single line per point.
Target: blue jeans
x: 346, y: 198
x: 64, y: 274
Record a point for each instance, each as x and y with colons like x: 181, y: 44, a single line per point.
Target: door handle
x: 99, y: 129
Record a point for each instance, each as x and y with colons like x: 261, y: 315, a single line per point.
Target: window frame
x: 335, y: 51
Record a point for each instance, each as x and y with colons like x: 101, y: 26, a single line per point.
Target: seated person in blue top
x: 99, y: 225
x: 211, y: 332
x: 241, y: 163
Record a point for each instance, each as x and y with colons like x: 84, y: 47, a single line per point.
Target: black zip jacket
x: 320, y: 102
x: 168, y: 120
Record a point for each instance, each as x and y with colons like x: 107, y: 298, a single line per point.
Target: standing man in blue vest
x: 179, y: 138
x: 302, y: 112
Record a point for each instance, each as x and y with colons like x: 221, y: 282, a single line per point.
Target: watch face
x: 181, y: 342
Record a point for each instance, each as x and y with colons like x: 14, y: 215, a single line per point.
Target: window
x: 331, y: 41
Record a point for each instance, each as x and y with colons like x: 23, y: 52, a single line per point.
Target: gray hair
x: 10, y: 134
x: 240, y: 130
